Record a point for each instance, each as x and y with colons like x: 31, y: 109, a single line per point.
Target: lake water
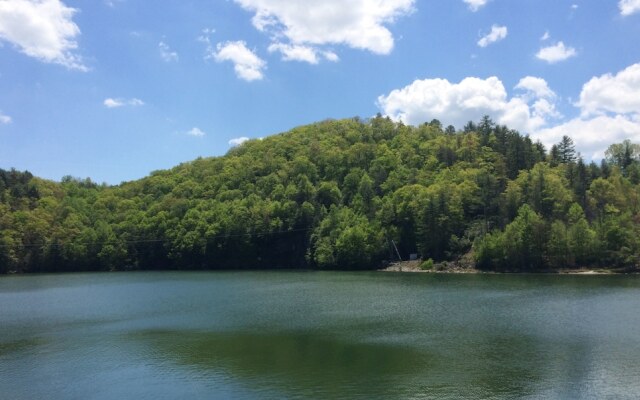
x: 323, y: 335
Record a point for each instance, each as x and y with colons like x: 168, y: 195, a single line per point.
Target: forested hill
x: 335, y: 194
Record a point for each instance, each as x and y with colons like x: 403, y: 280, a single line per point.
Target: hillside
x: 334, y: 195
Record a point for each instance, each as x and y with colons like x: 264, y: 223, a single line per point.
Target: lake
x: 321, y: 335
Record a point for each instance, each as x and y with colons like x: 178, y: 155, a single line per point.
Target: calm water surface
x: 299, y: 335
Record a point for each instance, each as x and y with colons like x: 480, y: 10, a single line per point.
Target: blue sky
x: 114, y: 89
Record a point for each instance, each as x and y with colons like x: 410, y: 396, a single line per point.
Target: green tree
x: 526, y: 238
x: 346, y: 240
x: 566, y: 150
x: 333, y: 194
x: 581, y: 236
x: 558, y: 247
x: 623, y: 154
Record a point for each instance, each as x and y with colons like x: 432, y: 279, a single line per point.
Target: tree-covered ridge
x: 336, y: 194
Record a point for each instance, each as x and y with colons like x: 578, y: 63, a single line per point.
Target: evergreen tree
x: 485, y: 128
x: 566, y: 150
x: 554, y: 156
x: 470, y: 127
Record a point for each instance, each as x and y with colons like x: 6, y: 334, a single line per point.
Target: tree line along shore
x: 341, y: 194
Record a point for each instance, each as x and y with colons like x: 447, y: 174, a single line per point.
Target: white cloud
x: 195, y: 131
x: 537, y: 86
x: 43, y: 29
x: 238, y: 141
x: 609, y: 108
x: 112, y: 3
x: 331, y: 56
x: 545, y: 109
x: 360, y: 24
x: 115, y: 103
x: 247, y: 64
x: 545, y: 36
x: 166, y: 53
x: 475, y: 5
x: 204, y: 38
x: 593, y: 136
x: 610, y: 113
x: 469, y: 100
x: 556, y: 53
x: 497, y: 33
x: 5, y: 119
x: 618, y: 93
x: 628, y: 7
x: 303, y: 53
x: 295, y: 52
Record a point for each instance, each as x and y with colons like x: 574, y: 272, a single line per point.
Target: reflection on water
x: 303, y: 365
x: 298, y: 364
x: 11, y: 346
x: 318, y: 335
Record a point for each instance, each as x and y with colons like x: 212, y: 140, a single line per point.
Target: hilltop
x: 338, y: 195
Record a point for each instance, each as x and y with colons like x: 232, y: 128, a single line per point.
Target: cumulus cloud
x: 609, y: 108
x: 497, y: 33
x: 475, y: 5
x: 195, y: 131
x: 238, y: 141
x: 246, y: 63
x: 4, y: 119
x: 43, y: 29
x: 628, y: 7
x: 609, y: 113
x: 617, y: 93
x: 537, y: 86
x: 545, y: 36
x: 468, y: 100
x: 592, y: 136
x: 556, y: 53
x: 307, y: 54
x: 362, y: 24
x: 331, y: 56
x: 166, y: 53
x: 295, y: 52
x: 115, y: 103
x: 545, y: 109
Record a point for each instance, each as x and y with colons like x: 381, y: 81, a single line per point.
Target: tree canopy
x: 336, y: 194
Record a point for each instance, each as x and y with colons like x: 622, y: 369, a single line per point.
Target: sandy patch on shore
x: 455, y: 268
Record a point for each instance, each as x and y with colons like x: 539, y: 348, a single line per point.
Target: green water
x: 300, y: 335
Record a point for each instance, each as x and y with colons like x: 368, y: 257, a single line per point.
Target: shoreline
x: 456, y: 268
x: 446, y: 267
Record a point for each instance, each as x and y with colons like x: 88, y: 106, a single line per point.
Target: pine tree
x: 554, y: 156
x: 470, y: 127
x: 567, y: 150
x: 485, y: 127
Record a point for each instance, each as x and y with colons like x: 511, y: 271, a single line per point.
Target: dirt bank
x: 464, y: 266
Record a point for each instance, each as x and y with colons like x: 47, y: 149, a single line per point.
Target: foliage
x: 427, y: 265
x: 337, y: 194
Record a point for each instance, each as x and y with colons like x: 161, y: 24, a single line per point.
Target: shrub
x: 427, y: 265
